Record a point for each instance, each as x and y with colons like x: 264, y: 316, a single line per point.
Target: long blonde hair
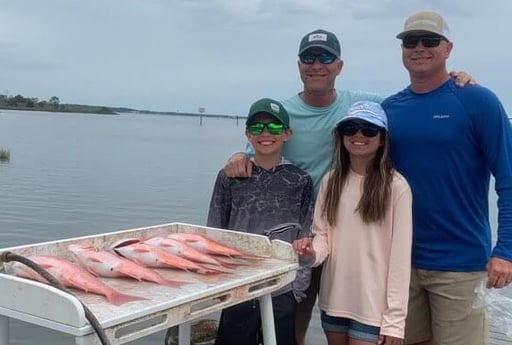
x: 376, y: 195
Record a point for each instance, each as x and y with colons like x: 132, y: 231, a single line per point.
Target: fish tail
x: 218, y: 268
x: 118, y: 298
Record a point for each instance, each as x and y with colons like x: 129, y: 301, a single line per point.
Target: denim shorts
x: 355, y: 330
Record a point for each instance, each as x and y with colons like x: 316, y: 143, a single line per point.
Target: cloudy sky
x: 179, y: 55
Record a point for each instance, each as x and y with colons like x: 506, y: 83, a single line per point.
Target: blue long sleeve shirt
x: 446, y: 143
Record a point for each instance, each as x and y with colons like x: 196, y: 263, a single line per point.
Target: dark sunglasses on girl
x: 351, y: 128
x: 428, y: 41
x: 324, y: 57
x: 274, y: 128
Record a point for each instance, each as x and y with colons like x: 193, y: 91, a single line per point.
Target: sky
x: 222, y: 55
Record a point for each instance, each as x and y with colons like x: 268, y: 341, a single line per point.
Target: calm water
x: 75, y: 174
x: 72, y: 175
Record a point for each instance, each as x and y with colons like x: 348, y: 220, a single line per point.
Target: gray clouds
x: 222, y: 54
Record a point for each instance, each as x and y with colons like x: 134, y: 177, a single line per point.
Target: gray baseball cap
x: 321, y: 39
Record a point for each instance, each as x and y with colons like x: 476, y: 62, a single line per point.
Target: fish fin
x: 91, y: 271
x: 71, y: 282
x: 45, y: 266
x: 139, y: 262
x: 132, y: 275
x: 207, y: 270
x: 141, y: 250
x: 173, y: 283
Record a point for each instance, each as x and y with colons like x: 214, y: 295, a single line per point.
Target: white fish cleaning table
x: 46, y: 306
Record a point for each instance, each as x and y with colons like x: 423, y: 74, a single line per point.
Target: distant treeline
x: 20, y: 102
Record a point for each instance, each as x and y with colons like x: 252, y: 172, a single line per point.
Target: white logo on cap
x: 363, y: 107
x: 317, y: 37
x: 274, y: 107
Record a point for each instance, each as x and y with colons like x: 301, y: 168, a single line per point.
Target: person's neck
x: 426, y: 83
x: 267, y: 162
x: 359, y: 165
x: 319, y: 99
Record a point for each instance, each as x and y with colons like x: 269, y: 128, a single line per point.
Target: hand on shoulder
x: 238, y: 165
x: 463, y: 78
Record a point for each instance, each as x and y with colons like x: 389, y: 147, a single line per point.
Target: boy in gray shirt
x: 277, y: 192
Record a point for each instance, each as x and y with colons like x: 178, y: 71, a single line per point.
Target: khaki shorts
x: 441, y: 309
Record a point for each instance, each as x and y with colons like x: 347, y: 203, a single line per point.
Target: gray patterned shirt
x: 268, y: 198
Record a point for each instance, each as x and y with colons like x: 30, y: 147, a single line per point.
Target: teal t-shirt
x: 311, y: 145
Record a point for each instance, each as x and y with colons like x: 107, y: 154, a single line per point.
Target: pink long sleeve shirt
x: 367, y: 267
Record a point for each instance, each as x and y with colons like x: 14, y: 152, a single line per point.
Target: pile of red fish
x: 136, y: 258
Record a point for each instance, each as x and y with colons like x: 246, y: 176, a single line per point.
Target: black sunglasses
x: 429, y: 41
x: 324, y: 57
x: 351, y: 128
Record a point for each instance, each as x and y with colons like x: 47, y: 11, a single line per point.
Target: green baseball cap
x: 270, y: 107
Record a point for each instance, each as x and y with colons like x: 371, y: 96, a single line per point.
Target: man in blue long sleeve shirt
x: 446, y: 141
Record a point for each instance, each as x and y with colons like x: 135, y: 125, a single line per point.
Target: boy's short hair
x: 270, y: 107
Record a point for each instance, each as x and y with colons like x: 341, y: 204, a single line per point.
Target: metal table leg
x: 4, y: 330
x: 184, y: 333
x: 267, y: 320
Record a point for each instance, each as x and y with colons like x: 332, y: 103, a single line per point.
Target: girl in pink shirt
x: 363, y: 232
